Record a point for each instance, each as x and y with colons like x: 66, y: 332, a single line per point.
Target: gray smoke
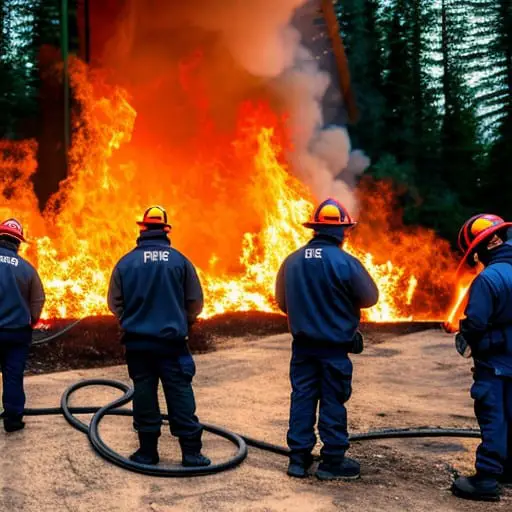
x: 259, y: 36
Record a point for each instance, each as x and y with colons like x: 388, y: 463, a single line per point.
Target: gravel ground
x: 400, y: 381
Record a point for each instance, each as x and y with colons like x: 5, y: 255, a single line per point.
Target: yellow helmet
x: 155, y: 216
x: 477, y: 230
x: 330, y: 213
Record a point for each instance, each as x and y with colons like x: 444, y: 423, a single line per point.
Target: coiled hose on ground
x: 241, y: 442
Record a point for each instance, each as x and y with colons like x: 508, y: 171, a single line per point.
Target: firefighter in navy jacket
x: 322, y: 290
x: 156, y: 295
x: 21, y: 302
x: 486, y: 335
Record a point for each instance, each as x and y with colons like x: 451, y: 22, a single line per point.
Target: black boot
x: 191, y: 452
x: 299, y: 465
x: 13, y: 423
x: 195, y: 460
x: 148, y: 451
x: 477, y: 488
x: 338, y: 468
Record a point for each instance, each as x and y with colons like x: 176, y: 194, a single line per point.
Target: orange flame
x: 456, y: 311
x: 236, y: 210
x: 452, y: 322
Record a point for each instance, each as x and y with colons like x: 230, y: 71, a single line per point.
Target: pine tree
x: 426, y: 119
x: 362, y: 36
x: 485, y: 63
x: 52, y: 159
x: 412, y: 120
x: 501, y: 152
x: 26, y: 26
x: 18, y: 89
x: 47, y: 23
x: 398, y: 83
x: 461, y: 150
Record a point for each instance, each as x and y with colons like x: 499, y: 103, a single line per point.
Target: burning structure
x: 226, y: 113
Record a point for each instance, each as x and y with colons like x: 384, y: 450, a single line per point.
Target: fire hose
x: 241, y: 442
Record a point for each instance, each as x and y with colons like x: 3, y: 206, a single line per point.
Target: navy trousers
x: 493, y: 409
x: 147, y: 369
x: 319, y: 377
x: 13, y: 359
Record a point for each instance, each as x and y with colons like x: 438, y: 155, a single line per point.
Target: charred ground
x: 95, y: 341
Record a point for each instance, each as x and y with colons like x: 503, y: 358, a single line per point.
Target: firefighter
x: 486, y: 335
x: 322, y: 290
x: 156, y: 295
x: 21, y: 302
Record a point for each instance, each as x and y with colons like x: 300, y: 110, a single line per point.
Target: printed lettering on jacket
x: 313, y: 253
x: 152, y: 256
x: 9, y: 260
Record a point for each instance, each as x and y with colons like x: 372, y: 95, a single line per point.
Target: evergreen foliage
x: 440, y: 85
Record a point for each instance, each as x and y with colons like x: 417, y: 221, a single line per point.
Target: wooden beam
x: 341, y: 59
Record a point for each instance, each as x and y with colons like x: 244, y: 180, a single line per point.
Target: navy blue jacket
x: 155, y: 293
x: 322, y: 289
x: 21, y: 292
x: 488, y: 323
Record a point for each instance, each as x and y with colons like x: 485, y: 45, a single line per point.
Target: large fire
x: 236, y: 211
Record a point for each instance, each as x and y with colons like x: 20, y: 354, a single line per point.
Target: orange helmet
x: 12, y: 228
x: 155, y: 216
x: 479, y: 229
x: 330, y: 213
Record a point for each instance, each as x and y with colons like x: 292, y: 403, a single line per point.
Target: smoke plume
x: 252, y: 47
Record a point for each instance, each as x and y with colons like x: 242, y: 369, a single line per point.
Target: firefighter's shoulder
x: 18, y: 262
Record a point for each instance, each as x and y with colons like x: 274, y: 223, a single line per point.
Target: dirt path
x: 413, y: 380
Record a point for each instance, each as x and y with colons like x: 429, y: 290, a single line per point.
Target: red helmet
x: 479, y: 229
x: 155, y: 216
x: 330, y: 213
x: 12, y: 228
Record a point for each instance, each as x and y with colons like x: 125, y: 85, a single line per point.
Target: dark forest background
x: 433, y: 80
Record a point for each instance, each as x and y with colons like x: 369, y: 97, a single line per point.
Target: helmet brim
x: 12, y: 233
x: 480, y: 238
x: 162, y: 225
x: 317, y: 225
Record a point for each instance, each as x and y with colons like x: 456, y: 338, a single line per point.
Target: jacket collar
x: 503, y: 253
x: 10, y: 246
x: 153, y: 237
x: 323, y: 239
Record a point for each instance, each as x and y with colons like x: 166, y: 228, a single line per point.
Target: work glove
x: 462, y: 346
x: 357, y: 343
